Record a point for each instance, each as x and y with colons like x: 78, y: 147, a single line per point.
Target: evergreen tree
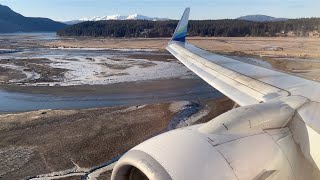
x: 227, y: 27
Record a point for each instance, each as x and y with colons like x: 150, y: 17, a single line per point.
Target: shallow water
x: 20, y: 102
x: 31, y: 36
x: 17, y: 102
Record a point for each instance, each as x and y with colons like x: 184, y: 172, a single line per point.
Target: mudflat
x: 47, y: 141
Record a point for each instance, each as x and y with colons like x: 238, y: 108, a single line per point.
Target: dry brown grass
x: 264, y: 46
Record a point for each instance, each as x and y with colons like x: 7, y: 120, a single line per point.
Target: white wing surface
x: 246, y: 84
x: 275, y: 135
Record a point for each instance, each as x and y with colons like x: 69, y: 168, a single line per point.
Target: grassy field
x: 261, y: 46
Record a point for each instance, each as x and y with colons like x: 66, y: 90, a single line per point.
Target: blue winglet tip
x: 180, y: 33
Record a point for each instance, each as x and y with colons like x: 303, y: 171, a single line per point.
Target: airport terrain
x: 81, y: 142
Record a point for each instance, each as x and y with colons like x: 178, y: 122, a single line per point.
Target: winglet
x: 180, y: 33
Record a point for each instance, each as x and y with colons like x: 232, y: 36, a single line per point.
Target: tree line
x: 204, y: 28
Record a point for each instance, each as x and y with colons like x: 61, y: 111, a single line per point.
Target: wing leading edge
x: 244, y: 83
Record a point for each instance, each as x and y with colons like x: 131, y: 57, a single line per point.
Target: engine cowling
x: 239, y: 152
x: 188, y: 154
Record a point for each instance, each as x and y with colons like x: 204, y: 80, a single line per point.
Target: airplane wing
x: 274, y: 135
x: 244, y: 83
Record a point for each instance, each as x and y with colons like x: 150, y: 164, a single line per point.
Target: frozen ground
x: 90, y: 66
x: 100, y: 49
x: 104, y: 70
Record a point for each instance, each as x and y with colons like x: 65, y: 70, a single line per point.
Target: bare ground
x: 46, y: 141
x: 261, y: 46
x: 289, y: 54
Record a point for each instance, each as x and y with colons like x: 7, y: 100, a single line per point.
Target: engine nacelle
x: 211, y: 151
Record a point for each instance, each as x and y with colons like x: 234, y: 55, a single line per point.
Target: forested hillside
x: 11, y: 22
x: 218, y: 28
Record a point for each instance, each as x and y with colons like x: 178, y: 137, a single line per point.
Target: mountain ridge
x: 11, y: 22
x: 260, y: 18
x: 116, y: 17
x: 254, y: 18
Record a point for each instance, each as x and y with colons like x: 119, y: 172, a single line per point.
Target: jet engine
x: 254, y: 142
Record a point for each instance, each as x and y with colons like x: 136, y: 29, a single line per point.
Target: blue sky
x: 200, y: 9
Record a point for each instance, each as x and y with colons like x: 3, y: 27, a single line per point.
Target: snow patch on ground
x: 103, y: 49
x: 196, y: 117
x: 61, y: 174
x: 178, y: 106
x: 104, y: 70
x: 187, y: 109
x: 96, y: 66
x: 95, y: 174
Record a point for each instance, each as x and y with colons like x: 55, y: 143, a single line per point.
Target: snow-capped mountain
x: 138, y: 17
x: 98, y: 18
x: 116, y: 17
x: 142, y: 17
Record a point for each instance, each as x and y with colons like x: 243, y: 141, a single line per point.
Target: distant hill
x: 72, y: 22
x: 11, y: 22
x: 116, y: 17
x: 261, y: 18
x: 206, y: 28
